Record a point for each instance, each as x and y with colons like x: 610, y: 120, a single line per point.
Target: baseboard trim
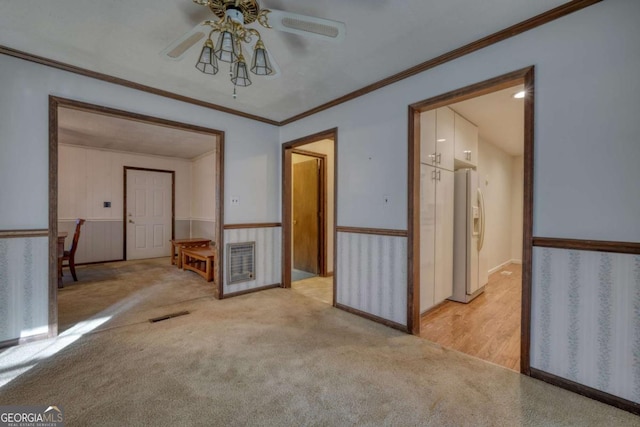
x: 499, y: 267
x: 586, y: 391
x: 430, y: 309
x: 252, y: 290
x: 18, y: 341
x: 504, y: 264
x: 97, y: 262
x: 372, y: 317
x: 373, y: 231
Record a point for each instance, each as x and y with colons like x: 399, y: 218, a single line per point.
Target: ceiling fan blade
x: 182, y: 44
x: 321, y: 28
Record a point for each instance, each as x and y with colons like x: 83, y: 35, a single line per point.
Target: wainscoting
x: 24, y: 288
x: 268, y: 256
x: 203, y: 228
x: 182, y: 229
x: 586, y: 318
x: 372, y: 275
x: 100, y: 240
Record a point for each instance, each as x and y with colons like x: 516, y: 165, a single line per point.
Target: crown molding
x: 127, y: 83
x: 514, y: 30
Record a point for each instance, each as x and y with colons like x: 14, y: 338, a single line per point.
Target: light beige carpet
x: 278, y: 358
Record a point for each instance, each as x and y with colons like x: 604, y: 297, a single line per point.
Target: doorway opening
x: 138, y: 182
x: 471, y: 168
x: 309, y: 195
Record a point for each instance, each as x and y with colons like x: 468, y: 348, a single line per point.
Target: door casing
x: 524, y: 76
x: 288, y: 149
x: 56, y: 102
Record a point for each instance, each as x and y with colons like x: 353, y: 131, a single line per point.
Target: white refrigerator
x: 470, y: 272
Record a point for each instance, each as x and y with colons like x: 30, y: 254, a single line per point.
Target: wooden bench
x: 200, y: 260
x: 180, y: 244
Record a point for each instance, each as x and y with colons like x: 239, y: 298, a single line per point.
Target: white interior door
x: 149, y: 220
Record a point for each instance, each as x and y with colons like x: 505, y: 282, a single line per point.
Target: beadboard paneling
x: 586, y: 318
x: 182, y: 229
x: 99, y: 240
x: 24, y: 290
x: 203, y: 228
x: 268, y: 256
x: 372, y: 274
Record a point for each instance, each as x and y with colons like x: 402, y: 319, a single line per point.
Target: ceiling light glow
x: 520, y: 95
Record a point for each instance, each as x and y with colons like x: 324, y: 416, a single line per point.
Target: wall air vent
x: 241, y: 262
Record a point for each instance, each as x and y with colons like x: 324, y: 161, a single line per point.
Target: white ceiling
x: 77, y: 127
x: 499, y: 117
x: 384, y: 37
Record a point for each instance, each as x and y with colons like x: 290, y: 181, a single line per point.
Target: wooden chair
x: 70, y: 255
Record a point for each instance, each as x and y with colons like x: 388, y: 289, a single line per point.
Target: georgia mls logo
x: 53, y: 408
x: 31, y: 416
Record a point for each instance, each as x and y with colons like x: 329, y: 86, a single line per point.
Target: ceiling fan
x: 233, y: 18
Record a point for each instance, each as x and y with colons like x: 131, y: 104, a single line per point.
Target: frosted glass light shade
x: 260, y: 64
x: 226, y: 47
x: 241, y: 73
x: 207, y: 63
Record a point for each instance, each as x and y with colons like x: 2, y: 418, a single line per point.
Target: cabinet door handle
x: 438, y: 175
x: 434, y: 158
x: 439, y: 158
x: 433, y: 175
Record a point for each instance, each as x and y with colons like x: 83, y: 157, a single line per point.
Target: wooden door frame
x: 524, y: 76
x: 322, y: 199
x: 287, y: 150
x: 124, y: 203
x: 57, y: 102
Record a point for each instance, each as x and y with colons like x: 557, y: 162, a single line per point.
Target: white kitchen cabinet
x: 466, y: 142
x: 436, y: 236
x: 437, y: 138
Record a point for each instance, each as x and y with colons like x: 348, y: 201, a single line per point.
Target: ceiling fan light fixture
x: 241, y: 73
x: 260, y: 64
x: 207, y: 63
x: 226, y: 47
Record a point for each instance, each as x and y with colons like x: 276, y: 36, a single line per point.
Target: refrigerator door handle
x: 482, y: 219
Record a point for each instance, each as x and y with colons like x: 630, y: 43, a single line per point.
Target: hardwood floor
x: 488, y: 327
x: 320, y: 288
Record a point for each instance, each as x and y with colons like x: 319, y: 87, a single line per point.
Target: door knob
x: 131, y: 221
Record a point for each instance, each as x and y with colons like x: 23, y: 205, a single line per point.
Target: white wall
x: 203, y: 182
x: 495, y: 173
x: 203, y: 198
x: 87, y: 177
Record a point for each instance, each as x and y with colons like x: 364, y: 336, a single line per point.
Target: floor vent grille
x: 241, y: 262
x: 168, y: 316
